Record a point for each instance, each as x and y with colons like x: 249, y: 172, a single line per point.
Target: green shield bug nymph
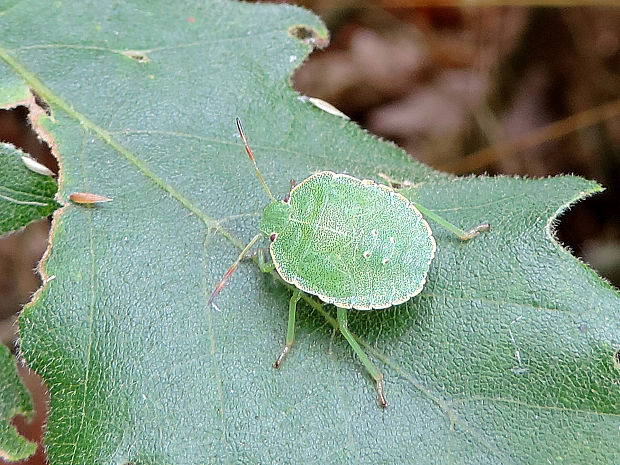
x: 353, y: 243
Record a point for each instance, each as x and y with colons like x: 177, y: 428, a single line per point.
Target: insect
x: 352, y: 243
x: 88, y: 198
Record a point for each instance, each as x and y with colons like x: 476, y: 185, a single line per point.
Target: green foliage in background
x: 14, y: 400
x: 24, y: 195
x: 507, y: 355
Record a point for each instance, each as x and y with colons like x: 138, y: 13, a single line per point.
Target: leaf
x: 25, y: 196
x: 507, y: 356
x: 14, y: 400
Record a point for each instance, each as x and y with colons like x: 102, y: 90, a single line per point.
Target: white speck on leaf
x: 327, y: 107
x: 35, y: 166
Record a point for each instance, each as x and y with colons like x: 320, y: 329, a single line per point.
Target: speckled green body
x: 351, y: 242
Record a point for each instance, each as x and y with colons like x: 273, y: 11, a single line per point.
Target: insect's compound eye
x: 273, y: 237
x: 287, y: 198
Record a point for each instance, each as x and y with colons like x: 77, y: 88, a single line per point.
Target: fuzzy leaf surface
x: 507, y: 356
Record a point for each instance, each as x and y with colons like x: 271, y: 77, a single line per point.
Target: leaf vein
x: 89, y: 349
x: 53, y: 99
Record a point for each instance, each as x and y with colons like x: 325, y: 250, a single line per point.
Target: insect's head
x: 275, y: 217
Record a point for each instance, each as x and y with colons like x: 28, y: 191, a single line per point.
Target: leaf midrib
x: 210, y: 222
x: 54, y: 100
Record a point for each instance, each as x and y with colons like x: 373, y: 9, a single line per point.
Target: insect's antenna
x: 232, y: 269
x: 251, y: 155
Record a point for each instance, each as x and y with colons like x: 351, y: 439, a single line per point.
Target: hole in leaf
x: 309, y: 36
x: 22, y: 250
x: 15, y: 128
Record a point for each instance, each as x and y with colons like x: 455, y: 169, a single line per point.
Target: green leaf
x: 507, y: 356
x: 24, y: 195
x: 14, y: 400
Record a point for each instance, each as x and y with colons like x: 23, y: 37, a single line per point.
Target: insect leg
x: 290, y: 332
x: 394, y: 183
x: 265, y: 266
x: 372, y: 369
x: 462, y: 234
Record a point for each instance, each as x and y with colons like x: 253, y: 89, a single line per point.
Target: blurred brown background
x: 500, y: 89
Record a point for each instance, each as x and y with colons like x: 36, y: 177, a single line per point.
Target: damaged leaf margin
x: 26, y: 195
x: 159, y: 437
x: 42, y: 190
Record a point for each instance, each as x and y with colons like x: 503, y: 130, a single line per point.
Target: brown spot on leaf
x: 308, y: 35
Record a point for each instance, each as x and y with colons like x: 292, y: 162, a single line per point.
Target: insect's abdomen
x: 353, y: 243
